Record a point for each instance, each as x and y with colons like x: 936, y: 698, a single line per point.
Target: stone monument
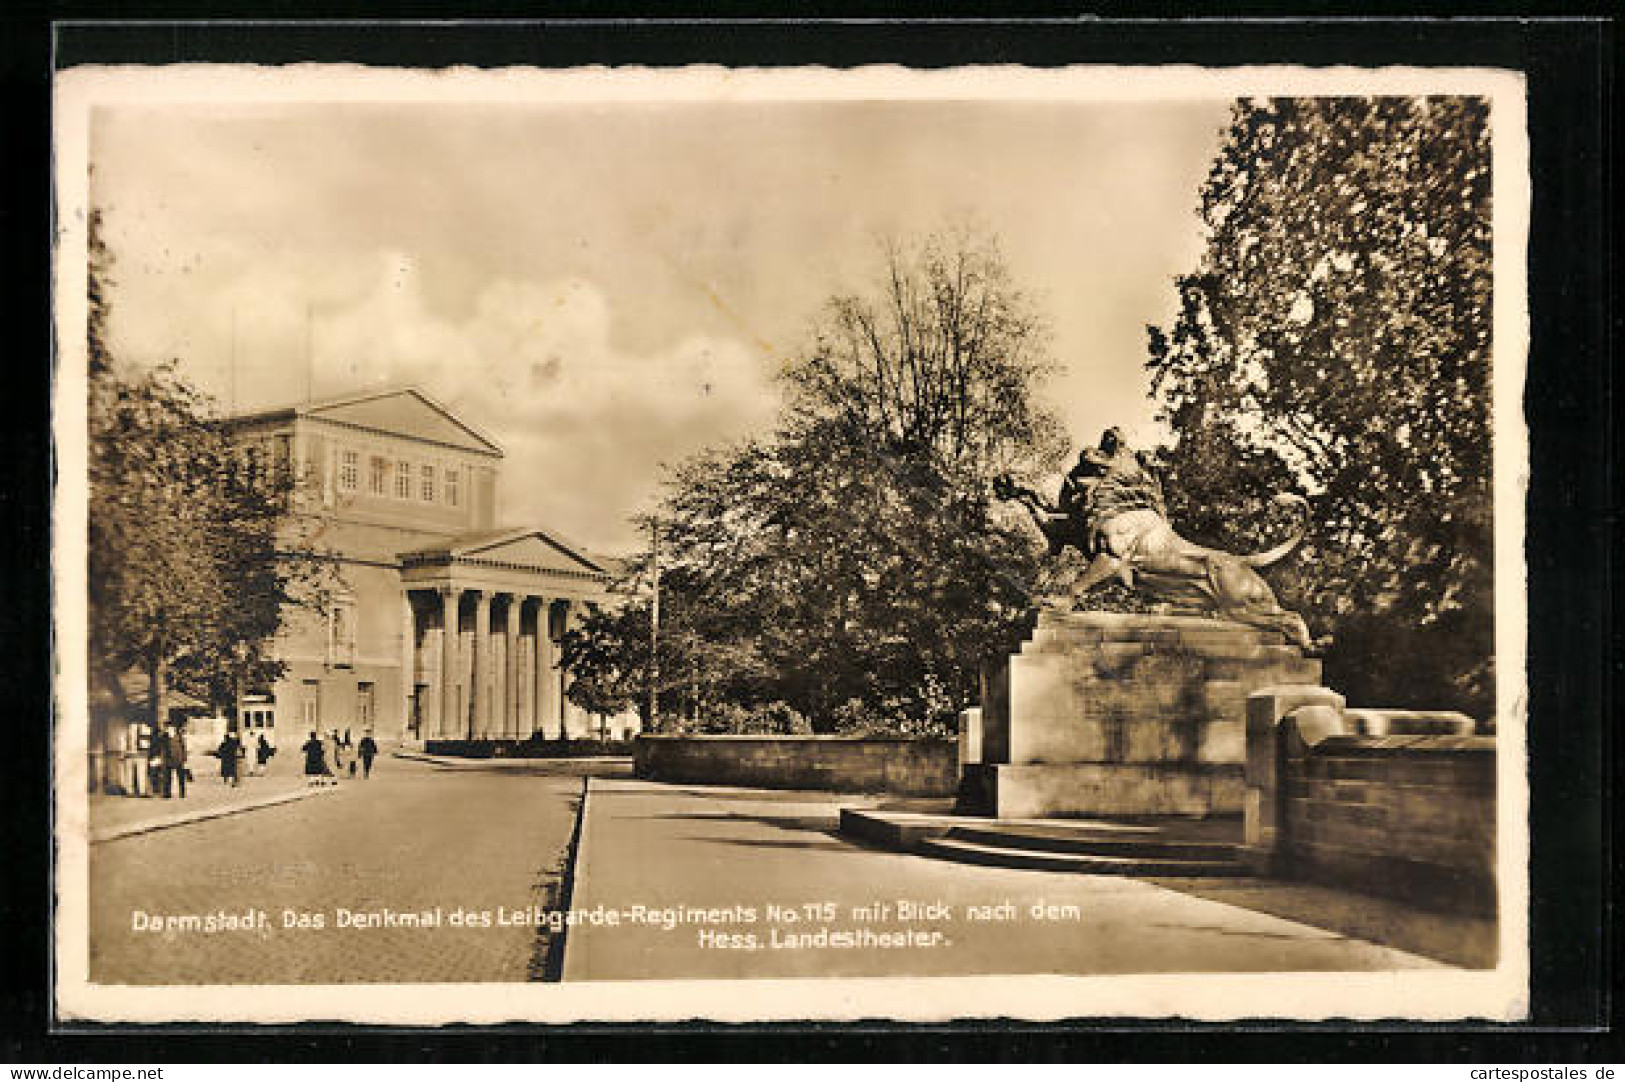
x: 1116, y: 714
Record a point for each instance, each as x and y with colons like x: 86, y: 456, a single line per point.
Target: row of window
x: 311, y: 712
x: 398, y: 478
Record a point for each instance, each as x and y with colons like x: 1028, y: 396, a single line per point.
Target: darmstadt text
x: 882, y: 923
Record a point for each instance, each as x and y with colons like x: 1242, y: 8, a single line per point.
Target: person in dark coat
x: 173, y: 752
x: 263, y: 753
x: 368, y: 749
x: 158, y: 761
x: 230, y: 752
x: 315, y: 760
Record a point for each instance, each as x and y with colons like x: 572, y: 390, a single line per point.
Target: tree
x: 607, y: 656
x: 192, y: 555
x: 1336, y: 335
x: 853, y: 573
x: 939, y: 361
x: 854, y: 556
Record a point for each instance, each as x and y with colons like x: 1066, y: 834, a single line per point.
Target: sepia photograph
x: 647, y: 545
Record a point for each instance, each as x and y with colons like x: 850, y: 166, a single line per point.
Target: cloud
x: 606, y: 289
x: 586, y: 425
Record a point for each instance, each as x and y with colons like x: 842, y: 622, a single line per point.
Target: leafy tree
x: 938, y: 361
x: 192, y: 555
x: 852, y: 571
x: 1336, y: 335
x: 607, y: 670
x: 854, y: 555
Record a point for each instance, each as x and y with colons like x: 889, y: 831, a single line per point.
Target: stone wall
x: 1398, y: 803
x: 906, y: 767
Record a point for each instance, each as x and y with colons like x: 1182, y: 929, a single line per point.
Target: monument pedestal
x: 1110, y: 714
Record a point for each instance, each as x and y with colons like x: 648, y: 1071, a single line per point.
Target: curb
x: 572, y: 968
x: 181, y: 819
x: 500, y: 764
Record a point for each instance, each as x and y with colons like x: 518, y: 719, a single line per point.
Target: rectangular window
x: 349, y: 471
x: 451, y: 487
x: 341, y: 634
x: 377, y: 473
x: 426, y: 472
x: 403, y: 480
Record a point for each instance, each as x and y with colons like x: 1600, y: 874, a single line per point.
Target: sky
x: 610, y: 287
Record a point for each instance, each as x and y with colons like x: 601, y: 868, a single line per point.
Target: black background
x: 1572, y: 539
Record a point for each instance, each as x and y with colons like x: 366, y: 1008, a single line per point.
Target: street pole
x: 654, y: 628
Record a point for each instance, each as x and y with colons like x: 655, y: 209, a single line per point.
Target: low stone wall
x: 903, y: 766
x: 1398, y: 803
x: 527, y: 749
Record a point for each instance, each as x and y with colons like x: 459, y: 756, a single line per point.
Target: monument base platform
x: 1083, y: 790
x: 1104, y: 714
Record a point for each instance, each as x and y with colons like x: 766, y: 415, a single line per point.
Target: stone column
x: 480, y: 677
x: 409, y: 662
x: 525, y: 672
x: 510, y: 674
x: 547, y: 710
x: 568, y: 712
x: 432, y: 649
x: 446, y: 723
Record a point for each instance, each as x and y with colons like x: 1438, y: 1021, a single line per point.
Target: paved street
x: 422, y: 843
x: 696, y: 859
x: 414, y: 838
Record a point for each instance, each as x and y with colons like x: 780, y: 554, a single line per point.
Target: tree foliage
x: 191, y: 560
x: 1336, y: 335
x: 851, y: 563
x: 938, y: 361
x: 852, y: 572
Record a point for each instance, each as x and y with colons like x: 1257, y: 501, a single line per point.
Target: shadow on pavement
x: 828, y: 844
x: 1469, y: 942
x: 822, y: 824
x: 539, y: 769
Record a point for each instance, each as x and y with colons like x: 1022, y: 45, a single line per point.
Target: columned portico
x: 502, y: 604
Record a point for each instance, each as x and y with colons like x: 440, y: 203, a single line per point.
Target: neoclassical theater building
x: 446, y: 627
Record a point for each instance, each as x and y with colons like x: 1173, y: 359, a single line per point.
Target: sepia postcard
x: 741, y: 545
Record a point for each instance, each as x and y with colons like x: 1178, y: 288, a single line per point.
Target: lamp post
x: 239, y: 653
x: 654, y: 628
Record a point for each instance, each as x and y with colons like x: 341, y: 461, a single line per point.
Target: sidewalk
x: 692, y: 882
x: 206, y: 798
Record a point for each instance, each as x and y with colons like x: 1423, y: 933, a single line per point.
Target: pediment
x: 534, y: 549
x: 409, y: 413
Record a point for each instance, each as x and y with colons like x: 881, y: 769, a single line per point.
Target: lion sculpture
x: 1111, y: 510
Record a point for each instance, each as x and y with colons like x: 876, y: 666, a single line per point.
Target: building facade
x: 444, y: 628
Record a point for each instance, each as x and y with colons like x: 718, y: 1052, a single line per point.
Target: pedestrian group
x: 329, y: 758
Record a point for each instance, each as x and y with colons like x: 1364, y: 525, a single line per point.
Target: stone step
x: 969, y: 852
x: 1149, y: 845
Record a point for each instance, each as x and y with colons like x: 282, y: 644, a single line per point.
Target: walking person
x: 262, y: 754
x: 158, y: 761
x: 315, y: 760
x: 369, y: 750
x: 173, y: 752
x: 230, y: 752
x: 335, y: 756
